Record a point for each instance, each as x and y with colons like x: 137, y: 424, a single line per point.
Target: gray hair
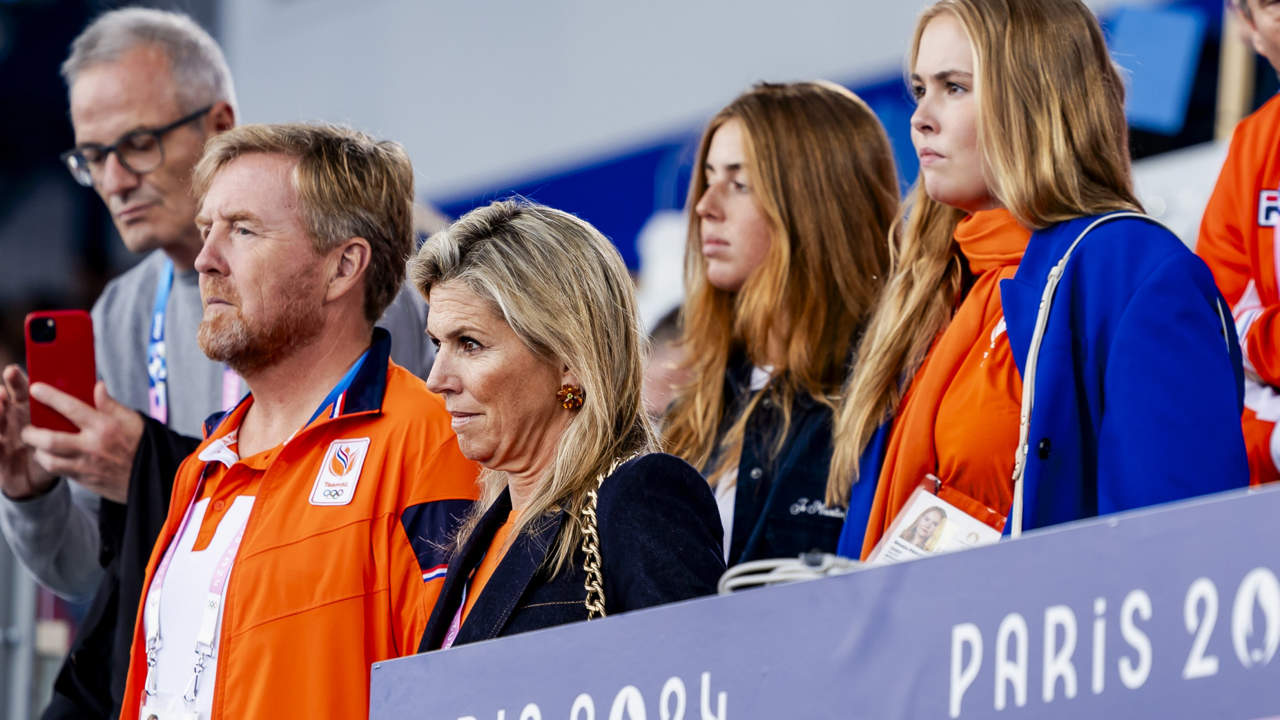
x: 200, y: 73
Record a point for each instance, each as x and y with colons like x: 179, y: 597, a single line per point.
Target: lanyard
x: 207, y: 636
x: 336, y: 396
x: 158, y: 357
x: 456, y: 624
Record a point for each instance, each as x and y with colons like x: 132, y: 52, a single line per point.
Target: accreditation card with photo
x: 928, y: 524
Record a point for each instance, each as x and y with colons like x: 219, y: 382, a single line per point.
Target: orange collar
x: 990, y: 239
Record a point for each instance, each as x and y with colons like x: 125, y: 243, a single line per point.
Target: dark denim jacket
x: 779, y: 510
x: 660, y: 541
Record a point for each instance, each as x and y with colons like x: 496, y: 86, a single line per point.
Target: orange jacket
x: 1237, y: 242
x: 319, y: 592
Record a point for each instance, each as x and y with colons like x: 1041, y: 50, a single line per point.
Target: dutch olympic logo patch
x: 339, y: 472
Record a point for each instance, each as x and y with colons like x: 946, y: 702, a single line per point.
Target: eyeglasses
x: 139, y: 151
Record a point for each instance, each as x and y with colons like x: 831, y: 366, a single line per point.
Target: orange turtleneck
x: 959, y: 418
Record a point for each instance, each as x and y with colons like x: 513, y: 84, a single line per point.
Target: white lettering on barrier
x: 963, y: 674
x: 629, y: 704
x: 1057, y: 658
x: 1134, y: 674
x: 1200, y: 625
x: 1259, y: 588
x: 1060, y: 638
x: 722, y: 701
x: 1255, y: 637
x: 583, y: 708
x: 674, y: 687
x: 1011, y: 671
x: 1256, y: 598
x: 628, y: 701
x: 1099, y: 678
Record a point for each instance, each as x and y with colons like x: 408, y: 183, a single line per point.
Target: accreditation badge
x: 151, y: 710
x: 936, y: 519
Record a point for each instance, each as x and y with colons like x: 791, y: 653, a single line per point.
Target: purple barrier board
x: 1169, y: 612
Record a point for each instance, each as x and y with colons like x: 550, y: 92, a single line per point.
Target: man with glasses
x: 1238, y: 242
x: 138, y: 151
x: 147, y: 88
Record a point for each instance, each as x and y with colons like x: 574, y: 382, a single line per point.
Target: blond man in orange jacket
x: 303, y: 541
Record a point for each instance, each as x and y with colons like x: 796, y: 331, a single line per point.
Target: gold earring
x: 570, y: 397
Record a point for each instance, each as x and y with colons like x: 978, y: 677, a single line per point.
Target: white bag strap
x: 1033, y: 359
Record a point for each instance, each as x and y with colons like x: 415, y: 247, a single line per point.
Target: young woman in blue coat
x: 1040, y: 347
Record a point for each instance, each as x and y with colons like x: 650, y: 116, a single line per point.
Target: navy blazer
x: 660, y: 541
x: 778, y: 507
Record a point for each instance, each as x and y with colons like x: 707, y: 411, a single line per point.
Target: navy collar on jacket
x: 502, y: 593
x: 363, y: 395
x: 738, y: 375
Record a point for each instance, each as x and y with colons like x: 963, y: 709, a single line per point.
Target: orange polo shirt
x: 222, y: 487
x: 959, y: 418
x: 340, y: 564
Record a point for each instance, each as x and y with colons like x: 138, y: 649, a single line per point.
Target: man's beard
x: 229, y: 339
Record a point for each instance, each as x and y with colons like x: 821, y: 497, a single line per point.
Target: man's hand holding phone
x: 100, y: 455
x: 62, y: 423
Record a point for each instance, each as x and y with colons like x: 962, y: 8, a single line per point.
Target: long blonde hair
x: 564, y: 290
x: 823, y: 174
x: 1055, y: 145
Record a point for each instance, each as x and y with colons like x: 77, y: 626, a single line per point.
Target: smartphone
x: 60, y: 353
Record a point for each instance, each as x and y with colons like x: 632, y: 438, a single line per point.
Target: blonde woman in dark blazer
x: 540, y: 364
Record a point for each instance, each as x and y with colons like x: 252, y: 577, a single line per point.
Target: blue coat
x: 1139, y: 385
x: 660, y: 541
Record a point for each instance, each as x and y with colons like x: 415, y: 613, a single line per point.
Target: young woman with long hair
x: 791, y: 202
x: 1022, y: 140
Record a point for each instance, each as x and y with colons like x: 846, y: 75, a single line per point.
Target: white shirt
x: 726, y: 488
x: 183, y: 598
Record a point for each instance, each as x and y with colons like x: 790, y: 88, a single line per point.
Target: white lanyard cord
x: 1033, y: 359
x: 207, y: 634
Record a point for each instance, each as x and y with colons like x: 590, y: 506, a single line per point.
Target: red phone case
x: 65, y: 362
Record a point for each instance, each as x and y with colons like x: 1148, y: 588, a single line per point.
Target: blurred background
x: 593, y: 107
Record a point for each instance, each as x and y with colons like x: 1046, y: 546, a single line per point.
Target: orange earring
x: 570, y: 397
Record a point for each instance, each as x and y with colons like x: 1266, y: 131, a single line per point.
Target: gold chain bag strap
x: 591, y: 546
